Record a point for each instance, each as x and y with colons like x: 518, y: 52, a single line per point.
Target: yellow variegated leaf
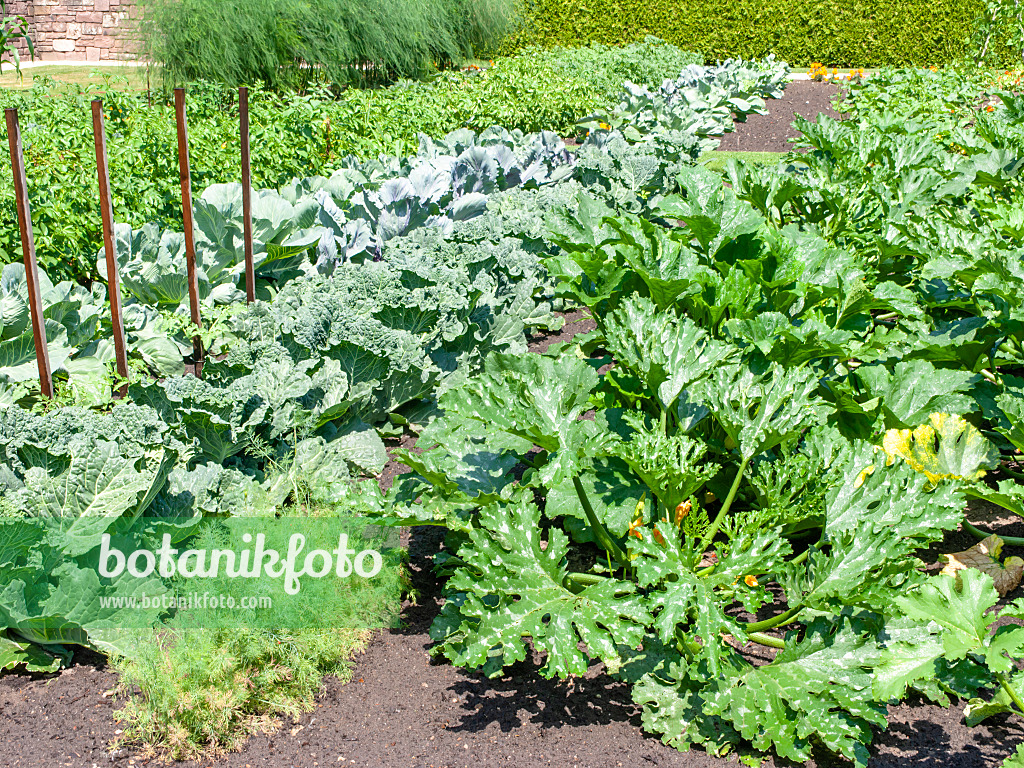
x: 984, y: 557
x: 946, y: 448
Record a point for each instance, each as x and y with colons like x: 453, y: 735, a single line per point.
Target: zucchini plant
x: 733, y: 459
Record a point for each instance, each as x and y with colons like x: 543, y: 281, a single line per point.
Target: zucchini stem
x: 603, y: 537
x: 776, y: 621
x: 720, y: 517
x: 1004, y: 683
x: 979, y: 534
x: 763, y: 639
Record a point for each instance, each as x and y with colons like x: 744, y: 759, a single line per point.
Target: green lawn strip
x: 716, y: 160
x: 842, y: 70
x: 76, y: 75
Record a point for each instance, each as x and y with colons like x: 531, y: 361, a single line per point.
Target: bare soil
x: 773, y: 131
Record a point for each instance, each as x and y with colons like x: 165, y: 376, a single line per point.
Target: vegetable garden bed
x: 792, y: 384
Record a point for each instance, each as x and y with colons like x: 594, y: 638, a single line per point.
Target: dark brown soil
x: 772, y: 132
x: 405, y: 710
x: 393, y: 468
x: 577, y: 322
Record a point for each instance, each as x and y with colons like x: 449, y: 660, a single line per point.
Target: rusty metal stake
x: 243, y: 129
x: 109, y: 244
x: 28, y: 249
x: 186, y: 210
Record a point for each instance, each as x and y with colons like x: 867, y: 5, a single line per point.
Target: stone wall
x: 76, y: 30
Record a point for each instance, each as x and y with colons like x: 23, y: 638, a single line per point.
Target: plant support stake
x: 109, y: 244
x: 186, y: 212
x: 243, y: 130
x: 28, y: 249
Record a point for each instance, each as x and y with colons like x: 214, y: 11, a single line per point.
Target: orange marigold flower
x: 990, y: 108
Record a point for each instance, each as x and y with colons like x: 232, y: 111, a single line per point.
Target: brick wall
x: 83, y: 30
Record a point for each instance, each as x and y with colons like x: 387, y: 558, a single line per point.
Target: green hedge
x: 864, y: 33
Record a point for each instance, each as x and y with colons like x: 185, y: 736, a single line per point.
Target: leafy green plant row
x: 288, y: 44
x: 293, y: 136
x: 797, y: 382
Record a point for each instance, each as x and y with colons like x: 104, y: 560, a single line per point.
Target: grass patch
x: 716, y: 160
x: 119, y: 77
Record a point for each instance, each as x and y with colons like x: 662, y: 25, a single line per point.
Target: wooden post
x: 186, y: 211
x: 109, y: 244
x: 243, y: 129
x: 28, y: 249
